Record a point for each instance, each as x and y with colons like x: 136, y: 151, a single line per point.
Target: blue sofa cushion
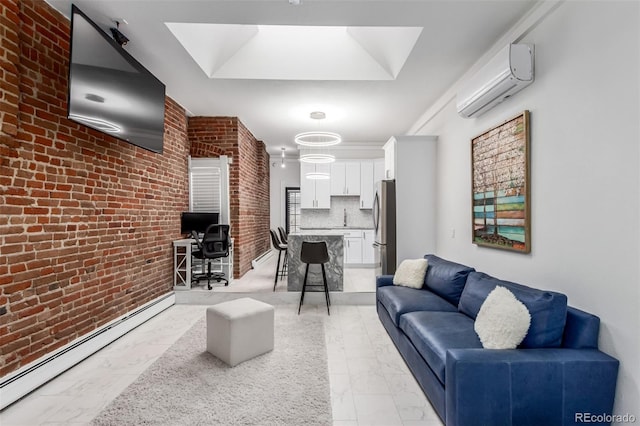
x: 433, y: 333
x: 445, y: 278
x: 399, y: 300
x: 548, y: 309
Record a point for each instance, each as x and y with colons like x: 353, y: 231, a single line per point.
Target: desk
x: 182, y: 265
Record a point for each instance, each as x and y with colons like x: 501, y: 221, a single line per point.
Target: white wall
x: 415, y: 174
x: 281, y: 178
x: 585, y: 185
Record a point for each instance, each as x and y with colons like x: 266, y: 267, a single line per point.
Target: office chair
x: 214, y: 245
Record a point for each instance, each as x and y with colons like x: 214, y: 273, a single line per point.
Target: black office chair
x: 283, y: 235
x: 214, y: 245
x: 278, y: 245
x: 315, y: 252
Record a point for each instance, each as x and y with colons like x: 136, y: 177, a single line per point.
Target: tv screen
x: 197, y: 221
x: 110, y: 91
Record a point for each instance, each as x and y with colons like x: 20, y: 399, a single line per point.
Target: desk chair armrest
x: 194, y: 235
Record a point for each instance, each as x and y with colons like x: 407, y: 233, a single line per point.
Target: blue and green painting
x: 499, y: 218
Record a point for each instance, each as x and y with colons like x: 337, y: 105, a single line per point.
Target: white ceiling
x: 271, y: 90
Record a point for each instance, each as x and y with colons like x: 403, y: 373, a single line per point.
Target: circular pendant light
x: 318, y: 139
x: 317, y: 158
x: 317, y: 176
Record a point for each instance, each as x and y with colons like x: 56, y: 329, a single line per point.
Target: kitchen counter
x: 334, y: 269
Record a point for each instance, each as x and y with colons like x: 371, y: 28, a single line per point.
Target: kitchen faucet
x: 345, y: 218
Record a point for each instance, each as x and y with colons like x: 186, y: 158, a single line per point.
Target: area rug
x: 189, y: 386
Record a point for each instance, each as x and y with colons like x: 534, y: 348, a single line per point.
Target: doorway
x: 292, y: 209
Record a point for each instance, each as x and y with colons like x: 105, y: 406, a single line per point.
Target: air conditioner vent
x: 510, y: 71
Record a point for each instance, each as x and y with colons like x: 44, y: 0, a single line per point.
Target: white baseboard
x: 261, y: 259
x: 31, y: 376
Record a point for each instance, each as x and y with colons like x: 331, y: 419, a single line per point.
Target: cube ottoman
x: 239, y: 330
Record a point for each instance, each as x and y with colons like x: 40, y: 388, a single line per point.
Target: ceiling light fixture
x: 282, y: 158
x: 317, y: 176
x: 318, y: 139
x: 317, y: 158
x: 318, y: 115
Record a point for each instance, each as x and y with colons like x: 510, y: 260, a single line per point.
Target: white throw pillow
x: 411, y: 273
x: 503, y: 320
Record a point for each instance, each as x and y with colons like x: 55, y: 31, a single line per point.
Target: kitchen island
x: 334, y: 269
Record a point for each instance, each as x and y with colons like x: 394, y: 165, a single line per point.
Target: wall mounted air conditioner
x: 510, y: 71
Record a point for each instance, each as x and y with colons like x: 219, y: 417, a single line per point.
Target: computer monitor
x: 197, y: 221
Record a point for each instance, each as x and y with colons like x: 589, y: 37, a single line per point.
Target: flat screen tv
x: 109, y: 90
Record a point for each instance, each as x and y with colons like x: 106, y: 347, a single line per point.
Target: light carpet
x: 189, y: 386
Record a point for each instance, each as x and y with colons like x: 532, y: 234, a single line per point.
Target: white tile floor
x: 370, y: 384
x: 262, y: 279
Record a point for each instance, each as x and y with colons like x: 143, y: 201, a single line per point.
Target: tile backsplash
x: 334, y: 217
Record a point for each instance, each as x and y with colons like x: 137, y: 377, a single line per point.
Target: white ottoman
x: 239, y: 330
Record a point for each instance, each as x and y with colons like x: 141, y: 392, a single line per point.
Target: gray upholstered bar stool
x: 315, y: 253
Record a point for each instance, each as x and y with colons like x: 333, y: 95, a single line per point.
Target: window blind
x: 206, y: 188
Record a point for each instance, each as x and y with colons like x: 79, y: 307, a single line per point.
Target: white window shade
x: 208, y: 186
x: 205, y: 190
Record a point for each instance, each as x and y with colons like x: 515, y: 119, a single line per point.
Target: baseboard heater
x: 31, y: 376
x: 261, y: 259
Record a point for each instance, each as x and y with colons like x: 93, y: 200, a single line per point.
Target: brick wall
x: 253, y: 194
x: 86, y: 220
x: 248, y: 182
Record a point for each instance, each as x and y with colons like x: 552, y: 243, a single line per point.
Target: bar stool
x: 281, y: 248
x: 315, y: 253
x: 283, y: 235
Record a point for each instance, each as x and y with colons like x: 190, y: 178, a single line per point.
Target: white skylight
x: 290, y: 52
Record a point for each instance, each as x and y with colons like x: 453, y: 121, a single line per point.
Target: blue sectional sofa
x: 554, y: 377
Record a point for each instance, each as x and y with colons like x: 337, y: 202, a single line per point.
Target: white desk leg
x: 182, y: 266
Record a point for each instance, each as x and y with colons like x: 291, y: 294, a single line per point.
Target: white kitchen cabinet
x: 345, y: 178
x: 366, y: 185
x: 390, y: 158
x: 314, y: 193
x: 378, y: 171
x: 358, y: 246
x: 352, y: 250
x: 368, y: 235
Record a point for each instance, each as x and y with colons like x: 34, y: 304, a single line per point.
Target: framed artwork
x: 500, y: 186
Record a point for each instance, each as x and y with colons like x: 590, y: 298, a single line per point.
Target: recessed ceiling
x: 273, y: 96
x: 296, y: 52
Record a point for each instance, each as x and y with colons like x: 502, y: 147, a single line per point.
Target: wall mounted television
x: 110, y: 91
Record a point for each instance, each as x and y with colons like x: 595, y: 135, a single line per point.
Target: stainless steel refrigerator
x: 384, y: 224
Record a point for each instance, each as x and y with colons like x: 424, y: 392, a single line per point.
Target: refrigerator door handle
x: 376, y: 212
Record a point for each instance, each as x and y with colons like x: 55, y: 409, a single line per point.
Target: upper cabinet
x: 345, y: 178
x: 390, y: 159
x: 348, y: 178
x: 378, y: 171
x: 314, y: 193
x: 367, y: 186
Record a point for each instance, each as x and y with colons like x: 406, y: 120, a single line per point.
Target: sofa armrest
x: 384, y: 280
x: 528, y: 386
